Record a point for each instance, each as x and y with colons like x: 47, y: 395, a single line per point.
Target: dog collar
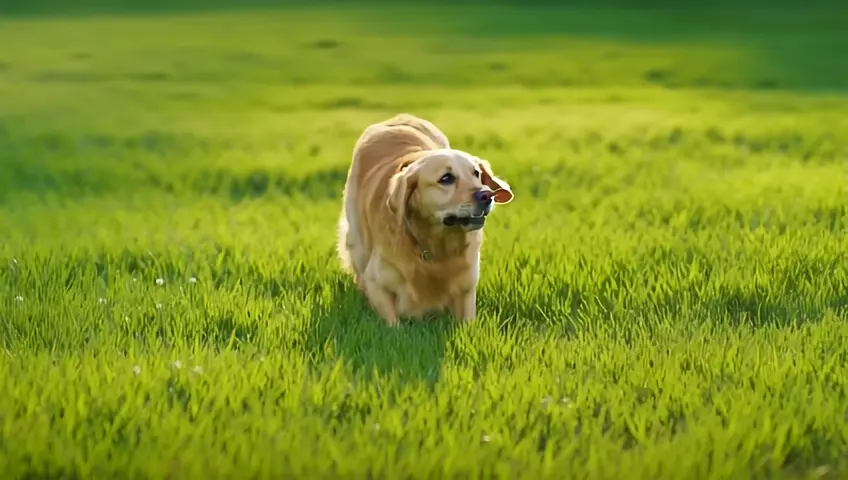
x: 425, y: 254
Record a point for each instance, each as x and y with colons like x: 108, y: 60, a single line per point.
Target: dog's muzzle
x: 468, y: 223
x: 475, y: 221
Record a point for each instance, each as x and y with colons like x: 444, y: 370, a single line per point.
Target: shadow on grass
x: 344, y: 327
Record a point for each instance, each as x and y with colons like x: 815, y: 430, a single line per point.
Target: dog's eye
x: 447, y: 179
x: 477, y: 173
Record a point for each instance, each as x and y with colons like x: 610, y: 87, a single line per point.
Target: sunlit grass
x: 665, y: 298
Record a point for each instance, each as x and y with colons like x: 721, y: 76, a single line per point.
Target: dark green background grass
x: 789, y: 44
x: 665, y: 298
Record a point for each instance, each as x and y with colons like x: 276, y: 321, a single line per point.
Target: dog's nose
x: 483, y: 196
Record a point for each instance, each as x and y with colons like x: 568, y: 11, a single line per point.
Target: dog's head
x: 447, y: 187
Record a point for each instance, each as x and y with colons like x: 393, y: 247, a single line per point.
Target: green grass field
x: 666, y: 297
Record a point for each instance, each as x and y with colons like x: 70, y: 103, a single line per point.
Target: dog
x: 412, y: 218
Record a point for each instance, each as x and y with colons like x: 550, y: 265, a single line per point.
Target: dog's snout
x: 483, y: 196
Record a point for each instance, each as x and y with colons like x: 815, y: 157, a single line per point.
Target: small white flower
x: 177, y: 364
x: 192, y: 280
x: 19, y: 298
x: 160, y: 282
x: 197, y: 369
x: 486, y: 439
x: 101, y: 300
x: 136, y: 370
x: 159, y: 306
x: 135, y: 279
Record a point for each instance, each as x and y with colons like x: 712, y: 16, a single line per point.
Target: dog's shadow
x: 344, y: 327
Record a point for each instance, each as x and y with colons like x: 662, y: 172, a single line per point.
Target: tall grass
x: 665, y: 298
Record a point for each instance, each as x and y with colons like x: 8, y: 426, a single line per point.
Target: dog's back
x: 423, y: 126
x: 382, y: 149
x: 393, y: 139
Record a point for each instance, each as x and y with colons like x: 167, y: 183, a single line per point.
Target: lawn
x: 666, y: 297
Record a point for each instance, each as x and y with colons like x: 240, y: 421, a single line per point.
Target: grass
x: 665, y: 298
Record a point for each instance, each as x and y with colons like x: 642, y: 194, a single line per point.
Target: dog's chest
x: 421, y: 295
x: 429, y: 291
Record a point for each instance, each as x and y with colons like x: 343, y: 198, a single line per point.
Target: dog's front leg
x: 383, y: 302
x: 463, y: 306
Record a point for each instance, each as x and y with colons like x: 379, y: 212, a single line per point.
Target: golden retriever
x: 413, y: 211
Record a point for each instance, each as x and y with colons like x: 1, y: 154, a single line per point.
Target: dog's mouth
x: 466, y: 223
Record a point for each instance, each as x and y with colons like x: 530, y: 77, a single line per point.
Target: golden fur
x: 393, y: 233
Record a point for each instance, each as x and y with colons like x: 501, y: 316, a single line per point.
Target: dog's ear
x: 501, y: 189
x: 401, y: 186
